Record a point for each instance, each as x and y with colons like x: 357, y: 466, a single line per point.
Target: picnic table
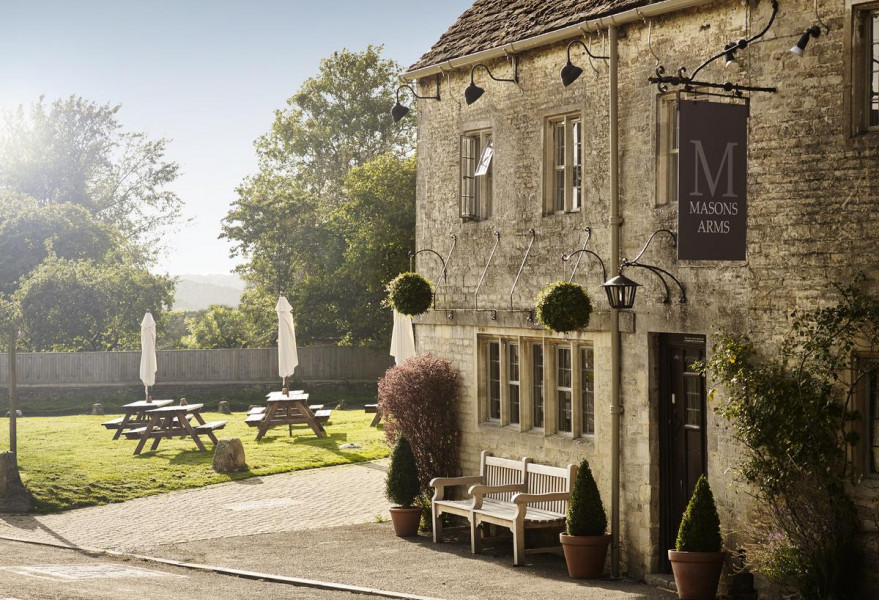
x: 135, y: 416
x: 173, y: 421
x: 292, y: 409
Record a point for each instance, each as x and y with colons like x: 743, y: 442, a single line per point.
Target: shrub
x: 700, y: 527
x: 402, y: 485
x: 586, y: 514
x: 410, y: 294
x: 563, y: 306
x: 419, y: 399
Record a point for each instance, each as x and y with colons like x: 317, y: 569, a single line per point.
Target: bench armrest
x: 479, y: 491
x: 440, y: 483
x: 551, y: 497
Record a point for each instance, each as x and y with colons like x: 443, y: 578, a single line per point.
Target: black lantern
x: 621, y: 291
x: 474, y: 92
x: 570, y: 72
x: 399, y: 111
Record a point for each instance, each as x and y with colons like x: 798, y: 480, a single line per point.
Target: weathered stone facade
x: 813, y: 194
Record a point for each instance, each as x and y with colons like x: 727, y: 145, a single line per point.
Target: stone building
x: 556, y: 174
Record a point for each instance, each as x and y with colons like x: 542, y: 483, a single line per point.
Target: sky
x: 206, y: 74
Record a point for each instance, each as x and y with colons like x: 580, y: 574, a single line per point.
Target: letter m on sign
x: 712, y: 172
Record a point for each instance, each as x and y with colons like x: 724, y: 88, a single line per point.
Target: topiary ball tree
x: 586, y: 514
x: 410, y: 294
x: 700, y: 526
x: 563, y: 306
x: 402, y: 486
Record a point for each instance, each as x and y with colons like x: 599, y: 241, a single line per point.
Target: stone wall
x: 813, y: 193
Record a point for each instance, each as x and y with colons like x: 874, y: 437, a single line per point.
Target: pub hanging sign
x: 712, y: 180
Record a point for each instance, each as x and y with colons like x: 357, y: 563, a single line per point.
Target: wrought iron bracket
x: 689, y: 81
x: 522, y: 266
x: 579, y: 254
x: 658, y: 271
x: 444, y: 261
x: 497, y: 240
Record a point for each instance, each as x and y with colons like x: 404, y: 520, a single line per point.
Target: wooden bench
x: 503, y: 475
x: 210, y: 426
x: 114, y: 424
x: 373, y: 409
x: 543, y: 504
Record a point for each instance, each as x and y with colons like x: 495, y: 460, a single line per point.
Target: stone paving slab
x: 302, y: 500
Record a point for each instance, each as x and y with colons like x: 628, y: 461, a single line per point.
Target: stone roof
x: 493, y: 23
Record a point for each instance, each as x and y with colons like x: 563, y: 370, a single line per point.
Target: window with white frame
x: 537, y: 385
x: 493, y: 386
x: 564, y: 164
x: 477, y: 153
x: 564, y: 388
x: 513, y: 382
x: 668, y: 129
x: 587, y: 390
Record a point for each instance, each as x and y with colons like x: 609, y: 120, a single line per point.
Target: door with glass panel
x: 682, y: 456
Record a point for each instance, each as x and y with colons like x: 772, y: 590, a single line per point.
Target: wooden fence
x: 325, y: 363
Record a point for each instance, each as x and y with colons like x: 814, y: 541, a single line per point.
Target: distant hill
x: 196, y: 292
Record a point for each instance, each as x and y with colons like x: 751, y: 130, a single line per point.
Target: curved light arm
x: 414, y: 93
x: 515, y: 78
x: 586, y: 48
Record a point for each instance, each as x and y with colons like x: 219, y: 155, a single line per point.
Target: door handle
x: 673, y: 399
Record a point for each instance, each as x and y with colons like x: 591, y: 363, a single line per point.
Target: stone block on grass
x: 229, y: 456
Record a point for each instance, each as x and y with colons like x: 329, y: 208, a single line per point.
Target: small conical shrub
x: 700, y: 526
x: 585, y: 511
x: 402, y: 486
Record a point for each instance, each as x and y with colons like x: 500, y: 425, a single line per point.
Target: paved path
x: 302, y: 500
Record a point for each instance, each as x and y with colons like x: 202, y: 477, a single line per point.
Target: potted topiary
x: 697, y: 558
x: 402, y: 488
x: 584, y: 541
x: 563, y: 306
x: 410, y: 294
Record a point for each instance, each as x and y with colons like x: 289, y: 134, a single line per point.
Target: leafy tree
x: 329, y: 216
x: 337, y: 120
x: 217, y: 327
x: 170, y: 336
x: 76, y: 151
x: 68, y: 305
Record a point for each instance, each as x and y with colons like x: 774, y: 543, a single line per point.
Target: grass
x: 71, y: 462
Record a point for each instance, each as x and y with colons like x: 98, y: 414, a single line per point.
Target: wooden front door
x: 681, y: 432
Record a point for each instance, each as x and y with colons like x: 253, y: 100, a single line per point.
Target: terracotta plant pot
x: 405, y: 520
x: 696, y: 573
x: 585, y: 554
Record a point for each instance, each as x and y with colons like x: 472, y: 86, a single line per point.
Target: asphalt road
x: 29, y: 572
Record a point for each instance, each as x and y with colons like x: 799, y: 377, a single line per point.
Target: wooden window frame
x: 586, y: 390
x: 560, y: 389
x: 489, y: 380
x: 571, y: 202
x: 667, y: 137
x: 511, y: 384
x: 478, y: 206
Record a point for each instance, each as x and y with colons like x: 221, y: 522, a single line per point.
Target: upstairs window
x: 477, y: 152
x: 869, y: 68
x: 564, y: 164
x: 668, y: 129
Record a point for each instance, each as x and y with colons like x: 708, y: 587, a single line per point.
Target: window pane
x: 565, y: 411
x: 873, y: 418
x: 468, y: 183
x: 577, y: 175
x: 537, y: 384
x: 587, y: 388
x: 872, y: 39
x: 513, y: 381
x: 560, y: 144
x: 494, y: 381
x: 563, y: 388
x: 559, y: 191
x: 693, y: 397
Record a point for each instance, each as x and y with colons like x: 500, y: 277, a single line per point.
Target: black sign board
x: 712, y: 180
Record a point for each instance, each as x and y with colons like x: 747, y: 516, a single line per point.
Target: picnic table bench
x: 514, y: 494
x: 173, y: 421
x: 135, y: 416
x: 292, y: 409
x: 373, y: 409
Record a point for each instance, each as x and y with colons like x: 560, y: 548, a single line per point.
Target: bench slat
x: 211, y: 426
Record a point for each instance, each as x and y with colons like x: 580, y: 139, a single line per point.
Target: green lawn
x: 69, y: 462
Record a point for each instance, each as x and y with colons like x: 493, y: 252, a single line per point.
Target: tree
x: 337, y: 120
x: 76, y: 151
x: 303, y: 229
x: 70, y: 305
x: 217, y: 327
